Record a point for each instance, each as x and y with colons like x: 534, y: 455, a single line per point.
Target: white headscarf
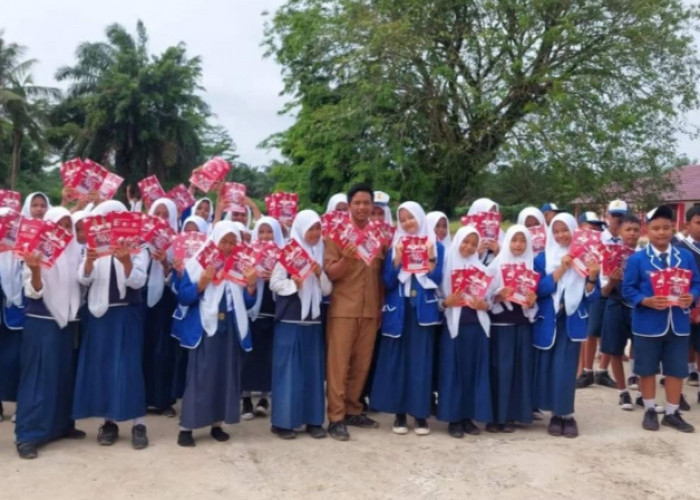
x: 209, y: 219
x: 61, y: 292
x: 156, y: 277
x: 26, y: 207
x: 10, y: 274
x: 310, y: 294
x: 417, y: 211
x: 202, y: 225
x: 335, y: 200
x: 211, y: 298
x: 571, y: 282
x: 274, y: 224
x: 482, y: 205
x: 531, y: 212
x: 433, y: 218
x: 453, y: 261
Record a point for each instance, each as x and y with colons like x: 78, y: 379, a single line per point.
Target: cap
x: 663, y: 211
x: 617, y: 207
x: 590, y: 218
x: 381, y: 198
x: 550, y: 207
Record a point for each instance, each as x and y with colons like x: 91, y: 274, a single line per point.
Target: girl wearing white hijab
x: 298, y: 354
x: 216, y: 317
x: 337, y: 202
x: 204, y: 208
x: 464, y: 380
x: 45, y: 396
x: 195, y: 223
x: 35, y: 205
x: 257, y: 364
x: 403, y: 377
x: 560, y: 326
x: 532, y: 217
x: 110, y: 382
x: 440, y: 225
x: 160, y: 348
x: 488, y: 249
x: 511, y: 339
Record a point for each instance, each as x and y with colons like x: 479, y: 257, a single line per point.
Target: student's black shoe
x: 556, y: 426
x: 316, y: 431
x: 693, y: 379
x: 169, y: 412
x: 683, y: 404
x: 247, y: 412
x: 603, y: 378
x: 570, y: 428
x: 508, y: 427
x: 107, y: 434
x: 338, y: 431
x: 584, y: 380
x: 492, y: 427
x: 651, y: 420
x: 27, y: 451
x: 283, y: 433
x: 219, y: 434
x: 421, y: 427
x: 139, y: 438
x: 470, y: 428
x: 74, y: 433
x: 262, y: 409
x: 400, y: 424
x: 626, y: 402
x: 185, y: 439
x: 662, y: 381
x: 676, y: 421
x: 455, y: 430
x: 361, y: 420
x: 633, y: 382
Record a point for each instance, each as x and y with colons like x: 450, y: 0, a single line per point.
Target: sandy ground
x: 613, y: 458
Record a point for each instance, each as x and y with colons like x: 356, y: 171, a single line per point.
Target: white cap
x: 617, y: 207
x: 381, y: 198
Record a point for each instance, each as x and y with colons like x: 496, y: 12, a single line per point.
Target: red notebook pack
x: 97, y: 229
x: 243, y: 257
x: 471, y: 283
x: 296, y: 260
x: 151, y: 190
x: 210, y: 255
x: 521, y: 280
x: 213, y: 171
x: 186, y: 245
x: 27, y: 235
x: 671, y: 283
x: 282, y: 206
x: 125, y: 230
x: 9, y: 227
x: 181, y: 196
x: 234, y: 196
x: 585, y: 247
x: 538, y: 237
x: 52, y: 243
x: 10, y: 199
x: 269, y: 255
x: 415, y: 254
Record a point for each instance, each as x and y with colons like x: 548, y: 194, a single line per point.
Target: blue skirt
x: 159, y: 352
x: 110, y: 381
x: 465, y: 385
x: 555, y: 373
x: 10, y: 342
x: 180, y: 375
x: 45, y: 397
x: 403, y: 376
x: 298, y: 369
x: 511, y: 373
x: 257, y: 364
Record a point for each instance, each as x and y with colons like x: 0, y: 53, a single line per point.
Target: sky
x: 242, y: 88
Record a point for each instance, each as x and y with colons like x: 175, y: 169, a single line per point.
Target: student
x: 530, y: 217
x: 337, y: 203
x: 403, y: 377
x: 381, y: 210
x: 511, y: 338
x: 204, y: 208
x: 562, y: 296
x: 257, y: 364
x: 45, y: 395
x: 110, y: 381
x: 488, y: 248
x: 549, y: 211
x: 213, y: 317
x: 464, y: 382
x: 298, y: 355
x: 660, y: 331
x: 35, y: 205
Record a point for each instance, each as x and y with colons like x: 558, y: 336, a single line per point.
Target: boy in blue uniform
x: 661, y: 332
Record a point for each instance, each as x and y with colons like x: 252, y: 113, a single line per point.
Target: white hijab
x: 211, y: 298
x: 310, y: 294
x: 209, y: 219
x: 571, y: 282
x: 202, y: 225
x: 486, y: 205
x: 274, y: 224
x: 531, y: 212
x: 433, y: 218
x: 335, y: 200
x: 61, y: 293
x: 10, y: 274
x: 26, y: 207
x: 156, y: 277
x: 417, y: 211
x: 453, y: 261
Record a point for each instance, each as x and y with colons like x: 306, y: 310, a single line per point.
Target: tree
x: 423, y: 97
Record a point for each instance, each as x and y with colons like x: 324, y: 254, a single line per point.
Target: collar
x: 674, y: 256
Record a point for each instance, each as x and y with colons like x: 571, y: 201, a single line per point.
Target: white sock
x: 140, y: 421
x: 649, y: 404
x: 692, y: 367
x: 632, y: 366
x: 622, y: 391
x: 587, y: 370
x: 671, y: 409
x: 185, y: 429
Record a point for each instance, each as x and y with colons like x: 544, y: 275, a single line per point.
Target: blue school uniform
x: 403, y: 377
x: 617, y: 323
x: 11, y: 324
x: 694, y: 248
x: 257, y: 364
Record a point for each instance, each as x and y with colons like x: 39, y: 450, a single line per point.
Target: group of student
x: 119, y: 335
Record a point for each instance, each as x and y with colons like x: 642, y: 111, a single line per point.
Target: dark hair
x: 630, y: 219
x: 693, y: 212
x: 360, y: 188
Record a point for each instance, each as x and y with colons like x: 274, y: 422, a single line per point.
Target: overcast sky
x: 242, y: 88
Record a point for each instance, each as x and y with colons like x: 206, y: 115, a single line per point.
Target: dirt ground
x: 613, y: 458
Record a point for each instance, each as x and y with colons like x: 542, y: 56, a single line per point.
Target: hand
x: 566, y: 261
x: 251, y: 276
x: 33, y: 260
x: 593, y: 268
x: 90, y: 256
x: 122, y: 254
x: 453, y: 299
x: 316, y: 268
x: 265, y: 275
x: 93, y: 196
x: 179, y: 267
x: 616, y: 275
x: 504, y: 293
x: 686, y: 300
x: 483, y: 247
x: 478, y: 304
x: 206, y: 278
x: 218, y: 186
x: 159, y: 255
x: 492, y: 245
x: 191, y: 189
x: 658, y: 303
x: 68, y: 194
x: 531, y: 299
x: 350, y: 251
x: 431, y: 249
x: 298, y: 282
x: 398, y: 253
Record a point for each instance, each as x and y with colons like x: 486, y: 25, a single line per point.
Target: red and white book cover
x: 97, y: 229
x: 52, y: 243
x: 659, y: 283
x: 585, y: 247
x: 234, y: 196
x: 126, y: 230
x: 282, y: 206
x: 151, y: 190
x: 10, y: 199
x: 109, y: 185
x: 296, y: 260
x: 487, y: 224
x: 471, y: 283
x: 269, y: 254
x: 333, y: 221
x: 28, y: 235
x: 162, y: 238
x: 69, y: 169
x: 9, y: 229
x: 89, y: 177
x: 538, y: 237
x: 371, y: 245
x: 213, y: 171
x: 614, y: 257
x: 186, y: 245
x: 201, y: 181
x: 415, y: 254
x: 522, y: 280
x: 348, y: 234
x: 210, y: 255
x: 243, y: 257
x: 181, y: 196
x: 678, y: 281
x: 387, y: 231
x: 149, y: 225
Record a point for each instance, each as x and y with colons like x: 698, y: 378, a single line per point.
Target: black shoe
x: 74, y: 433
x: 569, y: 428
x: 633, y: 382
x: 421, y: 427
x: 219, y: 434
x: 361, y: 420
x: 651, y: 420
x: 107, y: 434
x: 556, y: 426
x: 604, y: 379
x: 27, y: 451
x: 626, y: 402
x: 693, y: 379
x: 508, y: 427
x: 139, y: 438
x: 662, y: 381
x: 283, y: 433
x: 455, y: 430
x: 169, y: 412
x: 676, y: 421
x: 262, y: 409
x: 247, y: 413
x: 185, y: 439
x: 338, y: 431
x: 316, y: 431
x: 584, y: 380
x: 470, y: 428
x: 683, y: 404
x: 400, y: 424
x: 491, y: 427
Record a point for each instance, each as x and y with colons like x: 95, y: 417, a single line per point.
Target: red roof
x: 687, y: 182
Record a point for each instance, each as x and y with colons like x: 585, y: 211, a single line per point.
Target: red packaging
x: 162, y: 238
x: 186, y: 245
x: 269, y: 255
x: 209, y: 255
x: 348, y: 234
x: 678, y: 284
x: 296, y: 260
x: 10, y: 199
x: 415, y: 254
x: 28, y: 235
x: 213, y: 171
x: 151, y: 190
x: 585, y: 247
x: 149, y: 225
x: 109, y: 186
x: 488, y: 225
x: 69, y: 169
x: 471, y: 283
x: 9, y: 228
x: 614, y: 257
x: 386, y: 230
x: 371, y: 244
x: 89, y: 177
x: 97, y: 229
x: 333, y: 221
x: 234, y: 197
x: 51, y: 244
x: 243, y: 257
x: 538, y: 237
x: 521, y: 280
x: 125, y: 230
x: 201, y: 181
x: 181, y: 196
x: 282, y: 206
